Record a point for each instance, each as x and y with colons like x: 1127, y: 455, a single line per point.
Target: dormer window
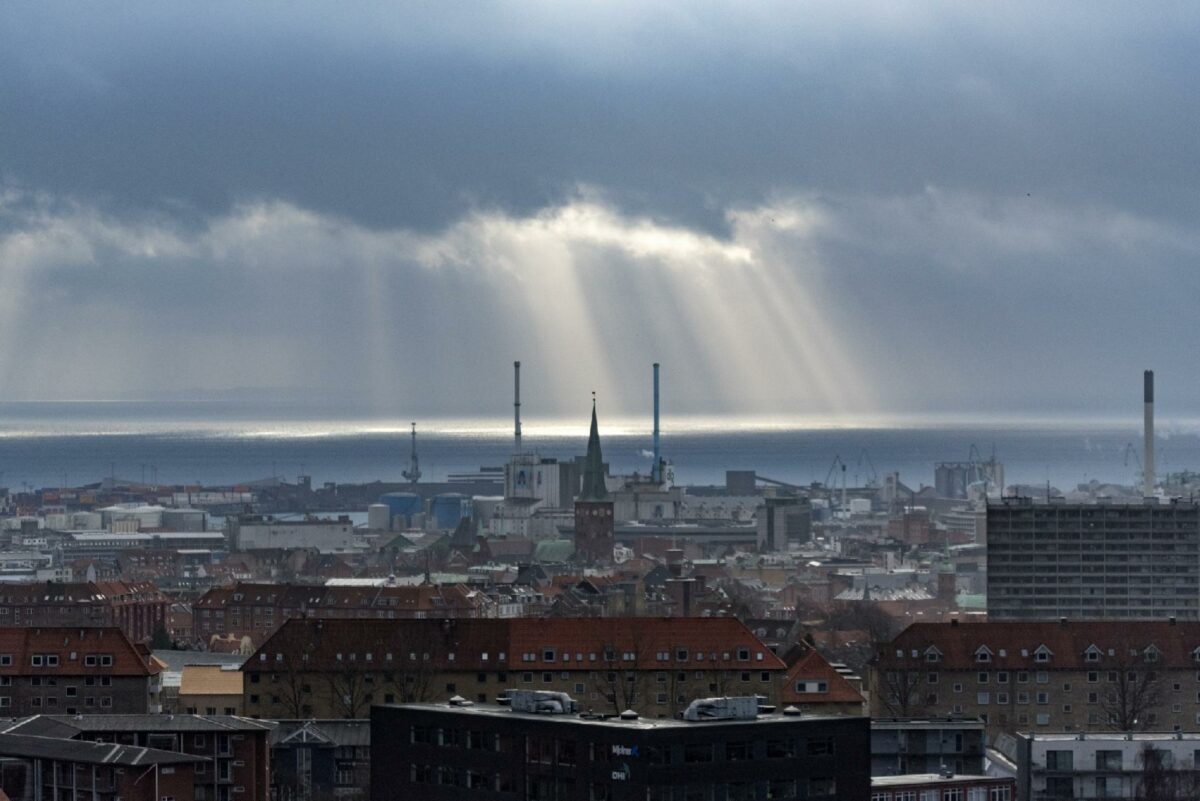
x: 932, y: 654
x: 1151, y: 654
x: 983, y: 654
x: 1042, y: 654
x: 1092, y: 654
x: 1196, y: 655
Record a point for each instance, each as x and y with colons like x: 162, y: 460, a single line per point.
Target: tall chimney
x: 1148, y: 434
x: 517, y: 404
x: 656, y: 472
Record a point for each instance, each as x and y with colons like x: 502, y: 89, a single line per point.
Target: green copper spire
x: 593, y: 465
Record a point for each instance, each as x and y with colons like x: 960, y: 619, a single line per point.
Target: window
x: 1060, y: 760
x: 819, y: 746
x: 819, y: 787
x: 982, y: 699
x: 1108, y: 760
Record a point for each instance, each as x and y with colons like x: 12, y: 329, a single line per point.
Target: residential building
x: 321, y: 759
x: 817, y: 687
x: 46, y: 768
x: 1097, y: 561
x: 904, y: 746
x: 539, y: 747
x: 234, y: 750
x: 256, y: 610
x: 943, y: 787
x: 138, y: 608
x: 69, y: 669
x: 1121, y: 766
x: 1044, y: 676
x: 655, y: 666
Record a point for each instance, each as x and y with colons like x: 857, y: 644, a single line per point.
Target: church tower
x: 593, y: 509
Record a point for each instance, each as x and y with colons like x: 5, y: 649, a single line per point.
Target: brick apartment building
x: 1044, y: 676
x: 655, y: 666
x: 234, y: 751
x: 257, y: 610
x: 138, y: 608
x: 73, y: 670
x: 59, y: 769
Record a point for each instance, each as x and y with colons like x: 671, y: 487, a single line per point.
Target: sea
x: 73, y: 444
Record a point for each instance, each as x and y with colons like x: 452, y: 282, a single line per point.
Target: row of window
x: 680, y: 654
x: 544, y: 788
x: 40, y: 702
x: 997, y: 793
x: 52, y: 660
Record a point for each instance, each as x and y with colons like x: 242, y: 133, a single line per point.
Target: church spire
x: 594, y: 488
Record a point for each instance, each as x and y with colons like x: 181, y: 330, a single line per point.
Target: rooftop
x: 470, y: 710
x: 31, y: 747
x: 57, y: 725
x: 904, y: 780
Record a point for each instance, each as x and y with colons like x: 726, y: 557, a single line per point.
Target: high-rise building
x: 1093, y: 561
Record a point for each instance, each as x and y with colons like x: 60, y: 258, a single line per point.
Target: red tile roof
x: 72, y: 646
x: 1015, y: 644
x: 518, y: 643
x: 809, y: 665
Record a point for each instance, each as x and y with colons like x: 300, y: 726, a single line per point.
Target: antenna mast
x: 413, y: 473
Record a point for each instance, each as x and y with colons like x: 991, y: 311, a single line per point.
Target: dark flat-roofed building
x: 489, y: 752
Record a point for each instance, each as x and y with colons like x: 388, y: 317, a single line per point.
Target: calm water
x: 51, y: 444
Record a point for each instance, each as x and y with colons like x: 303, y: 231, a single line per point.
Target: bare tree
x: 1134, y: 690
x: 349, y: 691
x: 290, y: 683
x: 864, y: 616
x: 411, y: 676
x: 620, y: 677
x: 1160, y: 780
x: 902, y: 692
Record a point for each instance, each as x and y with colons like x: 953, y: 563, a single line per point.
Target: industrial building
x: 1093, y: 561
x: 540, y: 747
x: 258, y: 532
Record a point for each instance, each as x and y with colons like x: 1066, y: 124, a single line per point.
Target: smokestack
x: 1148, y: 434
x: 656, y: 472
x: 517, y: 404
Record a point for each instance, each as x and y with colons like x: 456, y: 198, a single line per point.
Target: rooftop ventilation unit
x: 741, y: 708
x: 541, y: 702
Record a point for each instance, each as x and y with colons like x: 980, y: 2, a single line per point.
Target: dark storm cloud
x: 410, y: 114
x: 799, y: 206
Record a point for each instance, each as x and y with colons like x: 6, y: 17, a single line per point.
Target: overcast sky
x: 830, y: 209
